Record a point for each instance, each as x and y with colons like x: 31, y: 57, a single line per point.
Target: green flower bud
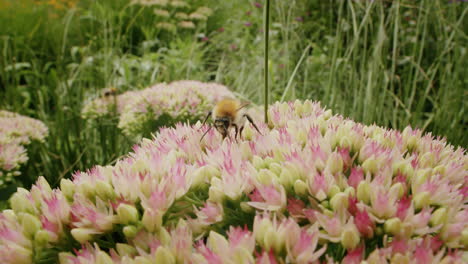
x: 339, y: 200
x: 307, y: 107
x: 370, y: 165
x: 64, y: 258
x: 422, y: 176
x: 350, y: 237
x: 215, y: 195
x: 20, y: 203
x: 31, y: 224
x: 216, y: 242
x: 242, y: 255
x: 399, y: 258
x: 258, y: 162
x: 248, y: 133
x: 345, y: 142
x: 263, y: 227
x: 266, y: 177
x: 406, y: 230
x: 87, y: 189
x: 82, y: 235
x: 439, y: 217
x: 245, y: 207
x: 464, y: 237
x: 125, y: 249
x: 41, y: 238
x: 398, y: 189
x: 68, y: 188
x: 334, y: 163
x: 334, y: 189
x: 363, y: 192
x: 440, y: 170
x: 164, y: 237
x: 393, y: 226
x: 127, y: 214
x: 143, y: 260
x: 350, y: 191
x: 130, y: 231
x: 270, y: 240
x: 151, y: 220
x: 245, y: 150
x: 300, y: 188
x: 103, y: 258
x: 164, y: 255
x: 298, y: 108
x: 421, y: 200
x: 276, y: 168
x: 104, y: 190
x: 427, y: 160
x: 10, y: 215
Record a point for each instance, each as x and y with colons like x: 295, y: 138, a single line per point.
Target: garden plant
x: 360, y: 154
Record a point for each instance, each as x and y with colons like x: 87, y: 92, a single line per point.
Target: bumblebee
x: 229, y: 113
x: 109, y: 92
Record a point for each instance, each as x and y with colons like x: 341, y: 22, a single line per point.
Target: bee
x: 109, y: 91
x: 229, y: 113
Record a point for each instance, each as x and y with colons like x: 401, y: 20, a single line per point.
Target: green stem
x: 267, y: 27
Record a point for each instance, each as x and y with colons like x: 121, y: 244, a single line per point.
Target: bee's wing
x: 243, y: 104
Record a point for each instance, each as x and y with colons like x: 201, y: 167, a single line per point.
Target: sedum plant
x: 174, y: 15
x: 162, y: 104
x: 16, y: 132
x: 311, y: 188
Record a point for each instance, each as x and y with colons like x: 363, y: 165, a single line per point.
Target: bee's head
x: 222, y: 124
x: 110, y: 91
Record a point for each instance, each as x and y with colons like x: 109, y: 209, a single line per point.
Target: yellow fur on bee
x: 226, y: 107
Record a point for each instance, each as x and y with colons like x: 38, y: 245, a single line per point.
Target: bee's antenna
x: 252, y: 122
x: 204, y: 121
x: 205, y: 133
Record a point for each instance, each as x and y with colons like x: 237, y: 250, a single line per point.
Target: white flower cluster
x: 176, y: 101
x: 16, y: 131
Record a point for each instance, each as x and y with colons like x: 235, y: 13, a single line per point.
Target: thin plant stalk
x: 288, y: 86
x: 267, y: 27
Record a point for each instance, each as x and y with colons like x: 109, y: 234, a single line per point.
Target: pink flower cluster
x: 180, y: 100
x: 311, y: 188
x: 16, y: 132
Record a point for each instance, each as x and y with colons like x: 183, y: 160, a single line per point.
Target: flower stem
x: 267, y: 27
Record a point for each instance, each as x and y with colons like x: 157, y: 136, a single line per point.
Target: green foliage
x: 390, y: 62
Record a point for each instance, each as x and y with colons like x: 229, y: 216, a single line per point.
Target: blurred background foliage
x: 390, y: 62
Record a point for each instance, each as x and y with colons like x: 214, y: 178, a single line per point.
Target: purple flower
x: 258, y: 5
x: 247, y: 24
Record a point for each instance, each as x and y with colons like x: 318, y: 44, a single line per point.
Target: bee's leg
x: 240, y: 131
x: 237, y: 131
x: 207, y: 116
x: 209, y: 128
x: 252, y: 122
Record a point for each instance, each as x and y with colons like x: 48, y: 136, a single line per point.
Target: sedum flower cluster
x: 176, y: 14
x: 311, y: 188
x: 16, y: 132
x: 176, y: 101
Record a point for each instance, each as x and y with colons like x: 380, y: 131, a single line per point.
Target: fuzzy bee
x: 109, y: 91
x: 229, y: 113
